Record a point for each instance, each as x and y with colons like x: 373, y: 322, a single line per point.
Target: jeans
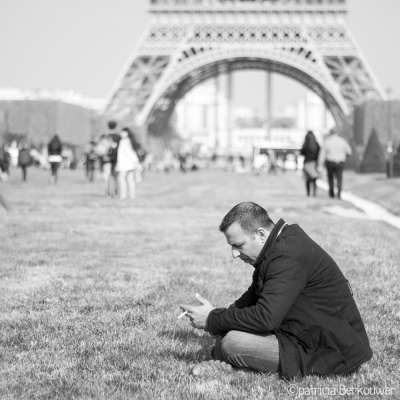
x: 247, y: 350
x: 334, y: 169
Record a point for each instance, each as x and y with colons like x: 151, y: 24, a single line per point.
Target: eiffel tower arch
x: 190, y: 41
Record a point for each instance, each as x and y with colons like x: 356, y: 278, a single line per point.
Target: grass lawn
x: 90, y: 286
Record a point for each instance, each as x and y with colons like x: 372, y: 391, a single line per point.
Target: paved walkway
x: 372, y: 210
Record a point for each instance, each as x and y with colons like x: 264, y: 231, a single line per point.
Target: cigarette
x: 182, y: 315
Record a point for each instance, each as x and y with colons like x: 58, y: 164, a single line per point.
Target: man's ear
x: 262, y: 234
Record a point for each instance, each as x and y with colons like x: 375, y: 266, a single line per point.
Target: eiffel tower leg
x: 230, y: 114
x: 269, y: 105
x: 390, y: 133
x: 306, y: 126
x: 216, y: 123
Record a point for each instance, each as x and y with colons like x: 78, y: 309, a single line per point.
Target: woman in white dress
x: 127, y: 162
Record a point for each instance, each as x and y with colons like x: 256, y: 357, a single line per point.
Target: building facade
x: 40, y: 115
x: 196, y: 121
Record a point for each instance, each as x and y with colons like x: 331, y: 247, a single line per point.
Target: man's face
x: 243, y: 246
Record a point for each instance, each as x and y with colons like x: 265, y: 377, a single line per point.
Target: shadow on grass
x: 189, y: 339
x: 187, y: 358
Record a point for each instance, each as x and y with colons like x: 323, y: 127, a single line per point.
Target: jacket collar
x: 270, y: 242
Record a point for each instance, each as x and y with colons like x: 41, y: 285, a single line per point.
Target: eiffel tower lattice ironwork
x: 190, y: 41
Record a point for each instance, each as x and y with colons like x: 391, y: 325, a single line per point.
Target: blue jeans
x: 247, y: 350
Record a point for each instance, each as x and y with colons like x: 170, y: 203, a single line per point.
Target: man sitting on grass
x: 297, y: 318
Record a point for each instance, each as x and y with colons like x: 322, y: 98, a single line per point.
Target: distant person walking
x: 5, y: 159
x: 3, y: 173
x: 334, y: 153
x: 102, y: 151
x: 141, y: 154
x: 13, y: 153
x: 310, y: 151
x: 24, y: 159
x: 127, y: 162
x: 273, y: 166
x: 54, y: 156
x: 91, y: 159
x: 102, y: 156
x: 112, y: 153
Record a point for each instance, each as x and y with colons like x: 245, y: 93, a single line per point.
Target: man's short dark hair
x: 250, y: 216
x: 112, y: 124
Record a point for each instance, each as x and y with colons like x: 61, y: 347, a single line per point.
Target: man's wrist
x: 208, y: 318
x: 213, y: 312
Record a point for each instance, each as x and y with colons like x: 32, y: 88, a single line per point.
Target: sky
x: 83, y: 45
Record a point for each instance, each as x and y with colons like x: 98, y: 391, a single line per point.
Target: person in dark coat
x: 310, y: 151
x: 112, y: 153
x: 297, y: 318
x: 54, y: 149
x: 5, y: 159
x: 24, y: 159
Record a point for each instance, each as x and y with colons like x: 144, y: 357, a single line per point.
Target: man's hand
x: 198, y: 314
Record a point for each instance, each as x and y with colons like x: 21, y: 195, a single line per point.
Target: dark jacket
x: 24, y: 157
x: 55, y: 147
x: 309, y: 153
x: 300, y: 295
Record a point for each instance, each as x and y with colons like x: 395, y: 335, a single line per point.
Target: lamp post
x: 389, y: 131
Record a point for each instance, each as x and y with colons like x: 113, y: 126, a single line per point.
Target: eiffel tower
x: 190, y: 41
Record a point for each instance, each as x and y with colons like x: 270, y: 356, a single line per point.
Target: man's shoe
x: 211, y: 367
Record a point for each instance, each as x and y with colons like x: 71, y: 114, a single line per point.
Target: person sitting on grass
x: 297, y: 318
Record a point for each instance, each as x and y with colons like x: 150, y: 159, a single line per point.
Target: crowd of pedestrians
x: 24, y: 155
x: 119, y: 157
